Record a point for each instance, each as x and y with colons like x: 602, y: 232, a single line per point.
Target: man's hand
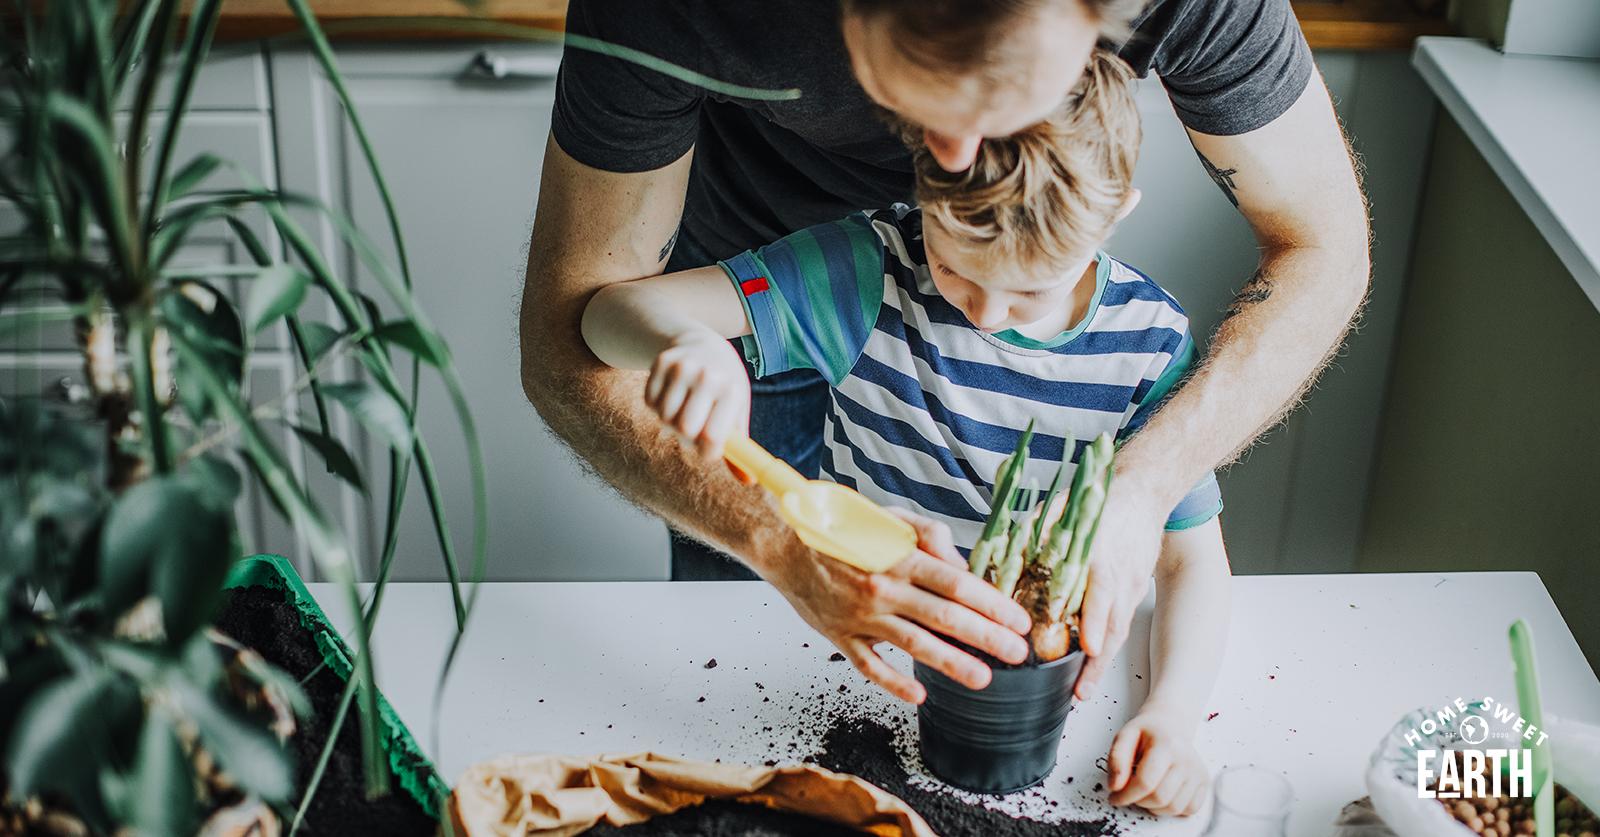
x: 1154, y: 764
x: 1121, y: 559
x: 699, y: 388
x: 930, y: 591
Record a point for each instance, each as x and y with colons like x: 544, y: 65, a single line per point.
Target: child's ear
x: 1128, y: 203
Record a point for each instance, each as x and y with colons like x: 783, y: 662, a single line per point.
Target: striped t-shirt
x: 925, y: 406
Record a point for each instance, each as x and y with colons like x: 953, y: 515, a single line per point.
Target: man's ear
x: 1128, y: 203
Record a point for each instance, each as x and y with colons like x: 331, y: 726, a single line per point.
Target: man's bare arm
x: 1297, y: 184
x: 595, y: 228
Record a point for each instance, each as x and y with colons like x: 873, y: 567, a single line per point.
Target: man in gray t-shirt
x: 647, y: 173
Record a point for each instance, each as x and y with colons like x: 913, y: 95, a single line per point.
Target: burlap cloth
x: 511, y: 796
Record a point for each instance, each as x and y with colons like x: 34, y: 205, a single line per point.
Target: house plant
x: 118, y: 708
x: 1004, y: 737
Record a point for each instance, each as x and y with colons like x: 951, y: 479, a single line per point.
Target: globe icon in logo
x: 1473, y: 729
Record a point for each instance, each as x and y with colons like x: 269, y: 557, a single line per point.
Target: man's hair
x: 1048, y: 194
x: 965, y: 35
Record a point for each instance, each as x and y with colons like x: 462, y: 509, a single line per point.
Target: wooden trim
x: 1365, y: 24
x: 1328, y: 24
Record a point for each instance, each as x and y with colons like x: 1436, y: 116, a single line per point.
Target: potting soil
x: 260, y: 618
x: 864, y: 746
x: 724, y: 818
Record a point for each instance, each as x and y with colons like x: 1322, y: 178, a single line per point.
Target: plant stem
x: 141, y: 336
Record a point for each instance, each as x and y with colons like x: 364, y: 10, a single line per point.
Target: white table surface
x: 1535, y: 120
x: 1317, y: 669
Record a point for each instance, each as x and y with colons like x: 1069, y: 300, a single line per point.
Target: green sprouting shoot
x: 1005, y: 485
x: 1084, y: 503
x: 1010, y: 568
x: 1076, y: 600
x: 1038, y: 545
x: 997, y: 529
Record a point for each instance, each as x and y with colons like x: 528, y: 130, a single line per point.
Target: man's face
x: 1040, y: 61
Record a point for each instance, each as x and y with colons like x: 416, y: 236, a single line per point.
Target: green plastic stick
x: 1544, y: 780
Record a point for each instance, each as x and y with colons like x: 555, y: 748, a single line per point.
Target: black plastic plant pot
x: 1002, y: 738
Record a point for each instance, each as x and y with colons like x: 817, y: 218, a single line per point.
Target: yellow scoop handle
x: 832, y: 519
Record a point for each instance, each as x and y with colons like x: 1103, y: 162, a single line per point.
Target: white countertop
x: 1536, y: 121
x: 1317, y: 669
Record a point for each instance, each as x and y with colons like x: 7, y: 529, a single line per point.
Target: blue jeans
x: 786, y: 413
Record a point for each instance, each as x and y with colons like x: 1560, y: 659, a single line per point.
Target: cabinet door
x: 461, y: 151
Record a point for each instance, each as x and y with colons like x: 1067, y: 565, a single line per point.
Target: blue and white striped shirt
x: 925, y: 407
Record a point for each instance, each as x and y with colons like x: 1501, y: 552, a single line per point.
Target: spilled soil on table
x: 260, y: 618
x: 865, y: 747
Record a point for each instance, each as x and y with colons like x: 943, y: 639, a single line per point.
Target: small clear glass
x: 1250, y: 802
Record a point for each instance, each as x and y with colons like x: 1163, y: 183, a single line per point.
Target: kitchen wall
x: 1489, y: 458
x: 1296, y: 501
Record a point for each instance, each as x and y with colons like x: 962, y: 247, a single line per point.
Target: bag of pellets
x: 1466, y: 769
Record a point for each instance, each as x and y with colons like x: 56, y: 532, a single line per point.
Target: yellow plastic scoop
x: 834, y: 520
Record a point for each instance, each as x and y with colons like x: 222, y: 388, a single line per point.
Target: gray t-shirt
x: 765, y: 169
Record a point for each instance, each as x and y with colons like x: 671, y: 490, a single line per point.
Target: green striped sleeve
x: 812, y: 297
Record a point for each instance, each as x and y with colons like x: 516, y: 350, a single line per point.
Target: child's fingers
x: 1093, y: 669
x: 1159, y: 801
x: 1187, y: 802
x: 721, y: 426
x: 696, y: 411
x: 1123, y: 749
x: 1154, y: 764
x: 676, y: 392
x: 662, y: 375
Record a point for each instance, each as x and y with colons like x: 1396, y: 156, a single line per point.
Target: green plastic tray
x: 416, y: 775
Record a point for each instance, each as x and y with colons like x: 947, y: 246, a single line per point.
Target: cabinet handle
x: 490, y: 64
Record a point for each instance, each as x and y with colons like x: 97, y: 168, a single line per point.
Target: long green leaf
x: 276, y: 291
x: 51, y: 735
x: 192, y: 174
x: 376, y: 409
x: 131, y: 42
x: 154, y: 59
x: 338, y: 460
x: 99, y: 175
x: 202, y: 26
x: 163, y: 801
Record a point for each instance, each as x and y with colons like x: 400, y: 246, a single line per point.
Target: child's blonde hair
x: 1049, y: 194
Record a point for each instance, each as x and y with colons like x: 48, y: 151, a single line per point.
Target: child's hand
x: 698, y: 386
x: 1154, y: 764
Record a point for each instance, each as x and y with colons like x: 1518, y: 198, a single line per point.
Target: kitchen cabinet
x: 461, y: 151
x: 229, y: 116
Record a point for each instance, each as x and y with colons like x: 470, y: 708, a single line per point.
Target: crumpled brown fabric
x: 518, y: 795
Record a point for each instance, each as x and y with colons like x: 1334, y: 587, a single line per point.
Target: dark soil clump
x: 865, y: 747
x: 723, y: 818
x: 260, y: 618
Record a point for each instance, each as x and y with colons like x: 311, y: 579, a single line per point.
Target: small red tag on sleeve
x: 751, y: 287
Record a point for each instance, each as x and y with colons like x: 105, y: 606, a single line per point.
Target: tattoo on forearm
x: 666, y: 249
x: 1254, y: 292
x: 1222, y: 177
